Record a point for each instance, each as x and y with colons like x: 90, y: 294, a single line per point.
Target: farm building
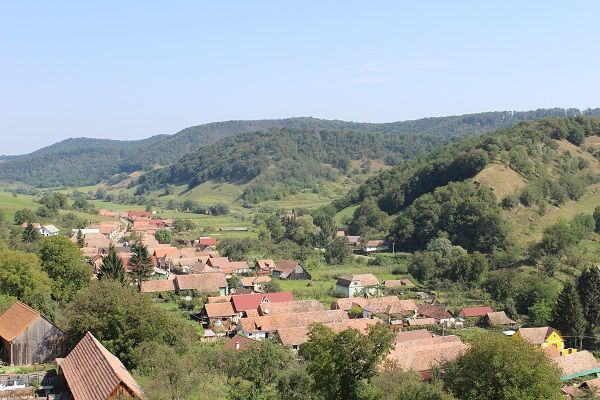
x: 28, y: 338
x: 91, y: 372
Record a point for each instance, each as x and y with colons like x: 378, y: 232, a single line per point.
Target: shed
x: 29, y: 338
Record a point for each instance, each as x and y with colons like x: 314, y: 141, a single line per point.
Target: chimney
x: 237, y: 345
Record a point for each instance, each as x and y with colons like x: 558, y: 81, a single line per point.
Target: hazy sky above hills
x: 129, y: 70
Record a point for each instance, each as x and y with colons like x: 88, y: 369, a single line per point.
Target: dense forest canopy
x: 79, y: 162
x: 294, y: 158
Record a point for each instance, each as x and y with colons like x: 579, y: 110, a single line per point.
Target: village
x: 241, y: 307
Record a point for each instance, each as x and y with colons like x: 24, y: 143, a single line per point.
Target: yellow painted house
x: 545, y: 337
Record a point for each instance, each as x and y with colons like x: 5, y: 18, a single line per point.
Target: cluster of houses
x: 246, y: 313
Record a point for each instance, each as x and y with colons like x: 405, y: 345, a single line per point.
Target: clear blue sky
x: 126, y: 69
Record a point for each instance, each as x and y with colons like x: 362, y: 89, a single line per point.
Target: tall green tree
x: 597, y: 218
x: 80, y: 239
x: 497, y: 367
x: 325, y: 221
x: 164, y: 236
x: 24, y: 215
x: 122, y: 320
x: 340, y: 364
x: 338, y: 251
x: 63, y: 262
x: 395, y: 384
x: 272, y: 359
x: 140, y: 264
x: 588, y: 287
x: 567, y: 315
x: 30, y: 234
x: 21, y: 276
x: 112, y: 266
x: 368, y: 220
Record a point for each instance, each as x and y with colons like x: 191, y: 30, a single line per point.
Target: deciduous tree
x: 497, y: 367
x: 341, y: 363
x: 63, y: 262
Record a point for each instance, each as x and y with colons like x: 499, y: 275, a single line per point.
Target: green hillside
x: 521, y: 179
x: 283, y: 159
x: 83, y: 162
x: 75, y: 162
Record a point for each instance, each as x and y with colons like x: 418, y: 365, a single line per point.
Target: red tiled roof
x: 577, y: 363
x: 16, y: 320
x: 207, y: 240
x: 163, y: 251
x: 265, y: 264
x: 239, y: 342
x: 434, y: 311
x: 286, y: 266
x: 421, y: 321
x: 290, y: 307
x: 246, y: 302
x: 93, y: 373
x: 468, y: 312
x: 158, y: 286
x: 217, y: 261
x: 216, y: 310
x: 210, y: 282
x: 299, y: 335
x: 271, y: 323
x: 426, y: 354
x: 413, y: 335
x: 136, y: 214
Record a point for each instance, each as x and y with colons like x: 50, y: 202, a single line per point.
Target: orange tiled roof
x: 16, y: 320
x: 93, y: 373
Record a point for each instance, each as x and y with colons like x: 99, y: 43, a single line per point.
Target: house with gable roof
x: 357, y: 285
x: 544, y: 337
x: 475, y: 312
x: 264, y: 267
x: 49, y: 230
x: 26, y: 337
x: 91, y: 372
x: 290, y: 270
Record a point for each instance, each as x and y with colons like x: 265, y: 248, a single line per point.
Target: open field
x: 528, y: 226
x: 322, y: 285
x: 9, y: 204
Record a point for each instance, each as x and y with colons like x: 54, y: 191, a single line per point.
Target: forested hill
x: 78, y: 162
x: 464, y: 189
x: 285, y: 158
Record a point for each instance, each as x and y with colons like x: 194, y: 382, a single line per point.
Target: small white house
x: 49, y: 230
x: 372, y: 246
x: 357, y: 285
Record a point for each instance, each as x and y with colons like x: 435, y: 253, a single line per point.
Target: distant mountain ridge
x: 84, y: 161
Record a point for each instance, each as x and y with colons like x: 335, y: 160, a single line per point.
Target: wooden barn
x: 28, y: 338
